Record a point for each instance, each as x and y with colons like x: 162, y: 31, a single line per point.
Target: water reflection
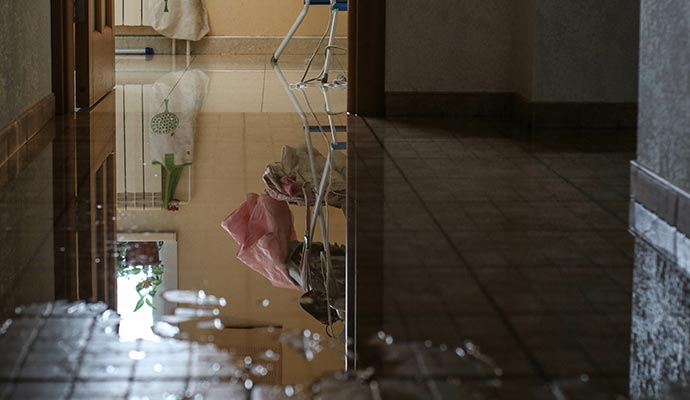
x: 502, y: 281
x: 220, y: 160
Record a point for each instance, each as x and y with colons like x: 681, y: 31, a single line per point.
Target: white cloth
x: 185, y: 20
x: 296, y: 162
x: 185, y: 91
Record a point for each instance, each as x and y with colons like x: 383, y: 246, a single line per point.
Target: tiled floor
x: 456, y: 230
x: 518, y: 243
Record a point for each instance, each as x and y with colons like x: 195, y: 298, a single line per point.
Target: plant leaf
x: 150, y: 304
x: 140, y: 304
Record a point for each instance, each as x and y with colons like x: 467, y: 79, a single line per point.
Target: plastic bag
x: 263, y: 227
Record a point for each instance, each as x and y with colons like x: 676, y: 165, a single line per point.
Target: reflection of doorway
x: 144, y: 260
x: 83, y: 49
x: 84, y: 167
x: 366, y: 58
x: 84, y: 201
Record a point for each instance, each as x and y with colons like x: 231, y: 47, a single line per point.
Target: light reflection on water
x: 135, y: 324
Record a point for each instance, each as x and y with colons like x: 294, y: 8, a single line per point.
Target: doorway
x: 93, y: 53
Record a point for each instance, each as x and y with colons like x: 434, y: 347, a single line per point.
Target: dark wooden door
x: 84, y: 197
x: 95, y: 50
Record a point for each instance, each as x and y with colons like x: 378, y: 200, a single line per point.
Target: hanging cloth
x: 184, y: 20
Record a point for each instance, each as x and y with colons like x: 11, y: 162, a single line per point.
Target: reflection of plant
x: 174, y: 172
x: 153, y: 276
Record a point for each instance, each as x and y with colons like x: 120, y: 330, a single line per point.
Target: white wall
x: 586, y: 50
x: 545, y: 50
x: 448, y: 45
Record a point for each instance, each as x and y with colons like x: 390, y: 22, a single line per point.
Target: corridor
x: 344, y: 200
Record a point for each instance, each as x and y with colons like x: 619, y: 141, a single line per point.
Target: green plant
x: 152, y: 276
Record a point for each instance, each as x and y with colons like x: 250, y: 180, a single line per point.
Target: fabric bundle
x: 291, y: 179
x: 184, y: 19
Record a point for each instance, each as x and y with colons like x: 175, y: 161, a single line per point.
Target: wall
x: 26, y: 253
x: 545, y: 50
x: 25, y: 54
x: 586, y: 50
x: 664, y: 119
x: 267, y: 18
x: 448, y: 45
x: 661, y: 320
x: 523, y: 49
x: 244, y: 18
x: 660, y: 366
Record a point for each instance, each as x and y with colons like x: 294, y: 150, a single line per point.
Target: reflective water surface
x: 258, y: 243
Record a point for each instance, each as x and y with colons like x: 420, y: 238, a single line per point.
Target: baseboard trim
x: 503, y: 105
x: 18, y: 132
x: 667, y: 201
x: 222, y: 44
x: 573, y: 115
x: 427, y: 104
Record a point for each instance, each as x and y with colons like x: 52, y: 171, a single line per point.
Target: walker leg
x: 291, y: 32
x: 173, y: 48
x: 189, y: 53
x: 329, y: 49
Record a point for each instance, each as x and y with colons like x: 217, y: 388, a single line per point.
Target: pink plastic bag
x: 263, y: 227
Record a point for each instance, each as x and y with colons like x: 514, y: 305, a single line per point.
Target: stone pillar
x: 660, y: 216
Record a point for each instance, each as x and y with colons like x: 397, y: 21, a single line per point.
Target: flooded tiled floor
x: 481, y: 261
x: 518, y: 243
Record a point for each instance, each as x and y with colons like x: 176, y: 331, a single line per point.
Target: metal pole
x: 291, y: 32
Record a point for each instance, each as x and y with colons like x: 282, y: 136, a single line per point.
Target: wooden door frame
x: 63, y: 53
x: 84, y: 178
x: 366, y: 57
x: 94, y: 40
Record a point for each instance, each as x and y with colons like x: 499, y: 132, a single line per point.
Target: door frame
x: 63, y: 54
x: 366, y: 57
x: 94, y: 41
